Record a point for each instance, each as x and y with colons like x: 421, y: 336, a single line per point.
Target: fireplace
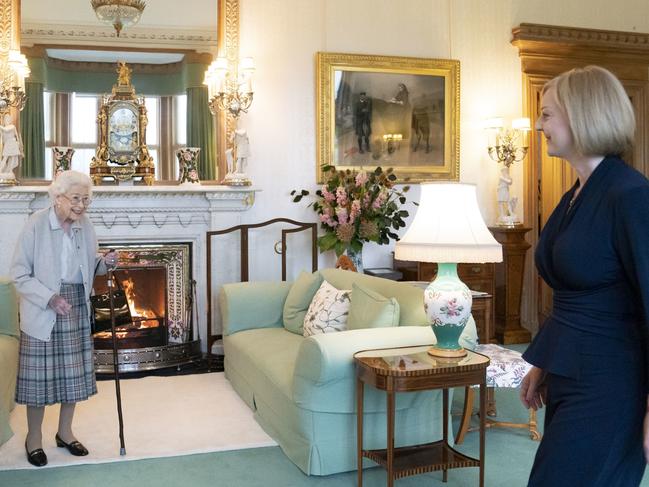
x: 155, y: 328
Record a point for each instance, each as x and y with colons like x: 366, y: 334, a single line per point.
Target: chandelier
x: 118, y: 13
x: 228, y: 89
x: 14, y: 70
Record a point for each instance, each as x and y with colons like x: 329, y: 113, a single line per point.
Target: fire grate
x: 157, y: 282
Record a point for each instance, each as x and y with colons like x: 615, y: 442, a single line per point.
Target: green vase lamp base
x: 446, y: 352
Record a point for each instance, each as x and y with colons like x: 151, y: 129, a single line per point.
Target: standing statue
x: 242, y: 145
x: 236, y: 175
x: 123, y: 74
x: 506, y: 205
x: 12, y: 149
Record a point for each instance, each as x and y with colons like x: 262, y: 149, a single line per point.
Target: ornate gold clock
x: 122, y: 154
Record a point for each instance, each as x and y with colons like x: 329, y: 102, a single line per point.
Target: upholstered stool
x: 506, y: 369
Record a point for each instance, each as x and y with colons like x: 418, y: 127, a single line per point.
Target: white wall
x: 284, y: 35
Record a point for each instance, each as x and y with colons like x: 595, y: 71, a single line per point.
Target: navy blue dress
x: 594, y: 254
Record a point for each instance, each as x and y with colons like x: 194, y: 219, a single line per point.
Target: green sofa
x: 302, y: 390
x: 9, y: 334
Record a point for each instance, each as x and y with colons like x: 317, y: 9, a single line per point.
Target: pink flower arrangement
x: 357, y: 207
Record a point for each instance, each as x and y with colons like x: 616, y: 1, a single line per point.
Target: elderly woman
x: 53, y: 269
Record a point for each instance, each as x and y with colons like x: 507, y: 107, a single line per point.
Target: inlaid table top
x: 414, y: 361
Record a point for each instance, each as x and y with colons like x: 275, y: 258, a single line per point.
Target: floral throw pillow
x: 328, y: 311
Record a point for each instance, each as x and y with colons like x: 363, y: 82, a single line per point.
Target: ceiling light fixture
x: 118, y: 13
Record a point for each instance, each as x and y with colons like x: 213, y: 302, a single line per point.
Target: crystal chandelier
x: 118, y: 13
x: 227, y: 89
x: 14, y: 71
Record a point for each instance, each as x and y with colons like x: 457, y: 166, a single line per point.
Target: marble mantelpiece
x: 140, y: 214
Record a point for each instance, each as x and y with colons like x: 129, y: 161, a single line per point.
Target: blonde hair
x: 599, y: 111
x: 65, y: 180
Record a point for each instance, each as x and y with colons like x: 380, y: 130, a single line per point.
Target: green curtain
x: 32, y: 131
x: 200, y: 131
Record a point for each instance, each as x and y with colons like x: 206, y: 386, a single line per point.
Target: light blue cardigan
x: 36, y: 268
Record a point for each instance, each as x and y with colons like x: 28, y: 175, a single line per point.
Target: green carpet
x: 510, y: 454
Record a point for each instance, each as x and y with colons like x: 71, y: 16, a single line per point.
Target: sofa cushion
x: 9, y: 307
x: 298, y: 300
x: 411, y: 303
x: 370, y: 309
x: 328, y: 311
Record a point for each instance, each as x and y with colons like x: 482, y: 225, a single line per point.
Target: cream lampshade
x: 448, y: 229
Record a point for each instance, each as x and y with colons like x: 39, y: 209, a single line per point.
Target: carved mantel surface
x: 139, y: 205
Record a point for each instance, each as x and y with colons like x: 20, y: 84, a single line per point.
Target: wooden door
x: 545, y: 52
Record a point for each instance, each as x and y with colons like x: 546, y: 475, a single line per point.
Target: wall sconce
x: 14, y: 70
x: 230, y: 89
x: 507, y: 146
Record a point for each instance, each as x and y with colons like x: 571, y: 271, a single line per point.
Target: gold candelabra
x: 508, y: 145
x: 14, y: 70
x: 230, y: 89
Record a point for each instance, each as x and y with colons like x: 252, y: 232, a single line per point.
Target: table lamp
x: 448, y: 229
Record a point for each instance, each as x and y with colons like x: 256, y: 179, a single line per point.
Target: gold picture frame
x: 398, y: 112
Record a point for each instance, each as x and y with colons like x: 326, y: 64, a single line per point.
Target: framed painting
x: 397, y: 112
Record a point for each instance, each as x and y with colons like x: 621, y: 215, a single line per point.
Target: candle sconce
x: 507, y: 146
x: 230, y: 88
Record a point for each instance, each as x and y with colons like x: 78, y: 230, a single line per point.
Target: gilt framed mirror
x: 73, y: 58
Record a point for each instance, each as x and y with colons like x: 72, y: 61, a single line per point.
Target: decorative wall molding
x: 200, y: 39
x: 574, y: 34
x: 574, y: 42
x: 100, y: 67
x: 6, y: 21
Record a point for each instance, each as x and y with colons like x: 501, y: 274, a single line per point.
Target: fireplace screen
x: 156, y: 281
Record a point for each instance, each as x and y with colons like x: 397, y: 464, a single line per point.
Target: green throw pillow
x: 298, y: 300
x: 369, y: 309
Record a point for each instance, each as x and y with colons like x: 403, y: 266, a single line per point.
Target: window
x: 83, y: 129
x: 75, y: 125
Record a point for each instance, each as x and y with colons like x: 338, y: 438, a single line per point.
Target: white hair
x: 65, y: 180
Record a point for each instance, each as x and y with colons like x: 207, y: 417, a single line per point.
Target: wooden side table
x: 410, y: 369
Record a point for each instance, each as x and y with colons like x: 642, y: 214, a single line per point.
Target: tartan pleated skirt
x: 61, y: 370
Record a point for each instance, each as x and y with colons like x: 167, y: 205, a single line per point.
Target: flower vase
x: 62, y: 157
x: 188, y: 165
x: 356, y: 256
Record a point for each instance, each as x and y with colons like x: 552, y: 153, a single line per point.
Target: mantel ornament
x: 122, y: 154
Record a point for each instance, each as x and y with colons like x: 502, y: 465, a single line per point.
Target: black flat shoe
x: 75, y: 447
x: 37, y: 457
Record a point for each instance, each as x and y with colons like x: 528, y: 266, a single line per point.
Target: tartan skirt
x: 61, y: 370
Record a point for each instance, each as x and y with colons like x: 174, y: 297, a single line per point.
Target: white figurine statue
x: 236, y: 175
x: 12, y: 151
x: 506, y: 205
x: 242, y: 143
x: 229, y: 160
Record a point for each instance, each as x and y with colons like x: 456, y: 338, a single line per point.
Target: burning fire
x: 137, y: 312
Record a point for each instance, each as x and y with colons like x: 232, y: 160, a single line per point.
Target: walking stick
x: 122, y: 449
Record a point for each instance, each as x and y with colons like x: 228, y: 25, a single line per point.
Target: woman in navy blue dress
x: 590, y: 356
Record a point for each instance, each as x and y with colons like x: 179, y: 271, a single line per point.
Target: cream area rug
x: 163, y: 416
